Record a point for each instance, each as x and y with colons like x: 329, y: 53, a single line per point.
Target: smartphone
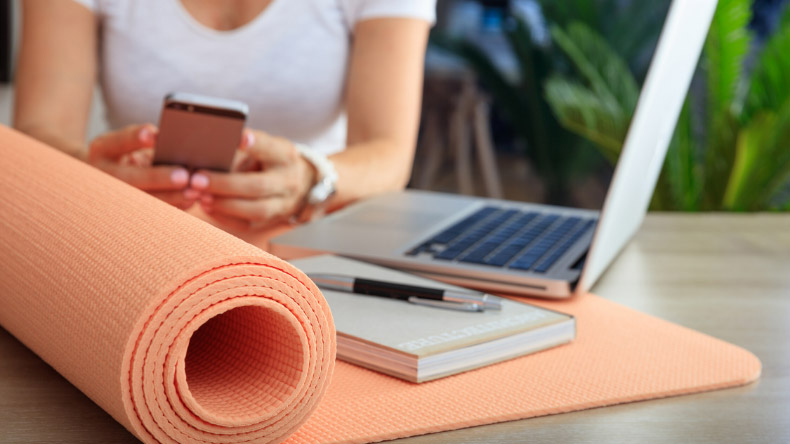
x: 199, y: 132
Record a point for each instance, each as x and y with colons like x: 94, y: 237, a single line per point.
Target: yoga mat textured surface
x: 84, y: 259
x: 112, y: 287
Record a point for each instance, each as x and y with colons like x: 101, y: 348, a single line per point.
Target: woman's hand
x: 268, y: 185
x: 128, y: 153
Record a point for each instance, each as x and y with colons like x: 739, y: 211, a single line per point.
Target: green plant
x: 558, y: 155
x: 631, y: 27
x: 735, y: 155
x: 521, y: 102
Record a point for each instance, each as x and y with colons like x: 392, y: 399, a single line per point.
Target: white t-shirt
x: 289, y: 64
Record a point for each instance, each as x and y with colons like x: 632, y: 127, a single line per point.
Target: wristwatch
x: 318, y: 197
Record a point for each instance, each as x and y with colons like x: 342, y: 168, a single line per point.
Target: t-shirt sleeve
x: 358, y: 10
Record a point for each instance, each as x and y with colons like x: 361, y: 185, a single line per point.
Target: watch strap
x: 325, y: 184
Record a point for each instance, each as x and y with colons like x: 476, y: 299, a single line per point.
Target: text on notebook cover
x: 472, y: 330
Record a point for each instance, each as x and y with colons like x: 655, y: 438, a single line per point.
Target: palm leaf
x: 725, y: 51
x: 681, y: 173
x: 722, y: 134
x: 583, y: 112
x: 601, y: 112
x: 762, y: 161
x: 566, y: 11
x: 605, y: 71
x: 547, y: 144
x: 631, y: 27
x: 633, y: 32
x: 725, y: 48
x: 552, y: 146
x: 769, y: 86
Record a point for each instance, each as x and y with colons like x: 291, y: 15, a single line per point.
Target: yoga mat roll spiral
x: 182, y: 332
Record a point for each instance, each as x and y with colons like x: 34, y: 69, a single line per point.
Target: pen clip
x: 458, y: 306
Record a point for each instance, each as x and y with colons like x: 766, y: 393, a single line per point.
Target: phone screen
x: 198, y: 137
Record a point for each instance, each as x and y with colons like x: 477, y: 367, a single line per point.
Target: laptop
x: 515, y: 247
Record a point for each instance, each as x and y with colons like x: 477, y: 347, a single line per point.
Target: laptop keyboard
x: 508, y: 238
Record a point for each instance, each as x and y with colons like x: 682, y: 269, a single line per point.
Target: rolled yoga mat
x: 183, y: 333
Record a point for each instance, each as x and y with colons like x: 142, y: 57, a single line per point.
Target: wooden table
x: 721, y: 274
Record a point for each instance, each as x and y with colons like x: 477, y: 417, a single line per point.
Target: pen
x: 435, y: 297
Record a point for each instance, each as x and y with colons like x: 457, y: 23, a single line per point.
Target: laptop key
x: 500, y: 237
x: 479, y: 254
x: 458, y: 228
x: 458, y: 247
x: 546, y: 264
x: 525, y: 261
x: 528, y: 259
x: 504, y: 255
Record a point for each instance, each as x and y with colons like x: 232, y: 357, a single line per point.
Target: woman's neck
x: 225, y: 15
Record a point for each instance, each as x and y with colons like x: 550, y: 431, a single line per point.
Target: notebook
x: 419, y: 343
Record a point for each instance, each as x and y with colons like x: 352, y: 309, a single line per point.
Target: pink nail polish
x: 250, y: 138
x: 146, y: 135
x: 199, y: 181
x: 179, y: 177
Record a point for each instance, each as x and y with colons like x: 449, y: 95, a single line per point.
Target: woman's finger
x: 247, y: 138
x: 142, y: 157
x: 270, y: 150
x: 253, y: 185
x: 149, y: 178
x: 229, y: 222
x: 243, y: 163
x: 114, y: 144
x: 178, y: 199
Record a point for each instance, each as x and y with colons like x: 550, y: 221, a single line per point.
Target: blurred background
x: 531, y: 100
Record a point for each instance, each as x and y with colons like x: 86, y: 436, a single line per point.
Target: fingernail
x: 207, y: 199
x: 191, y: 194
x: 199, y: 181
x: 179, y: 177
x: 249, y: 138
x: 146, y: 135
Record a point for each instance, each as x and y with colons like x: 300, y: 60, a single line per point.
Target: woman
x: 342, y: 77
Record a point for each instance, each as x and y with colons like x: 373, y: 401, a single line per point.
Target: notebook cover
x: 417, y: 332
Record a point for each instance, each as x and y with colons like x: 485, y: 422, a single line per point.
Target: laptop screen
x: 561, y: 81
x: 591, y: 96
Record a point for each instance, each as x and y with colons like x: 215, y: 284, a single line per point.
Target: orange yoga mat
x: 107, y: 285
x: 182, y: 332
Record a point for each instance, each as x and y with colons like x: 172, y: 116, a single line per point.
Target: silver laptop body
x: 422, y: 231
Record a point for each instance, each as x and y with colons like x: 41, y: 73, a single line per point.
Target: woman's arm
x: 54, y: 84
x: 383, y: 96
x: 383, y: 92
x: 55, y: 74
